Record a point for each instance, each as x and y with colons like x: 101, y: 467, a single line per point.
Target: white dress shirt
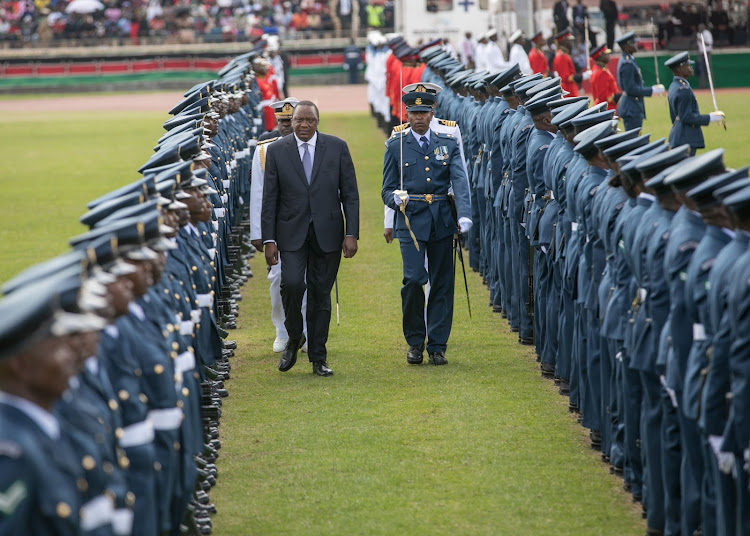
x: 310, y: 146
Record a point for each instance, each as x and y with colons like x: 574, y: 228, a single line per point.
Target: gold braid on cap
x: 286, y: 110
x: 421, y: 89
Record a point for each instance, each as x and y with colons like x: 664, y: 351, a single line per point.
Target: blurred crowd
x: 72, y: 22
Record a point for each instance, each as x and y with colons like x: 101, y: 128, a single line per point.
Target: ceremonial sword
x: 711, y: 80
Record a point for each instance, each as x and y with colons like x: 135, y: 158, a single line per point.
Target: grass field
x: 482, y: 446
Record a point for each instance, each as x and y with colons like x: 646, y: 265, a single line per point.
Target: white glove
x: 464, y: 225
x: 658, y: 89
x: 726, y: 462
x: 398, y: 200
x: 586, y: 74
x: 716, y: 116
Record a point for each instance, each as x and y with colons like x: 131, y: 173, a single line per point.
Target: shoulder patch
x: 400, y: 127
x: 447, y: 123
x: 444, y: 135
x: 395, y: 136
x: 269, y: 140
x: 687, y: 246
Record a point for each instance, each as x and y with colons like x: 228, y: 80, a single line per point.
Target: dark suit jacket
x: 290, y: 204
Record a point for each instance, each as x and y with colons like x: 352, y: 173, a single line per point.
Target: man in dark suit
x: 309, y: 179
x: 560, y: 15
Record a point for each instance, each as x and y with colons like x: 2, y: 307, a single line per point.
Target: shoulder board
x: 10, y: 449
x: 395, y: 136
x: 447, y: 123
x: 687, y: 246
x: 401, y: 127
x: 444, y: 135
x: 707, y: 265
x: 267, y: 141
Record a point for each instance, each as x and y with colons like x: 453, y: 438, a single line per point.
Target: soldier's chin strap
x: 403, y: 196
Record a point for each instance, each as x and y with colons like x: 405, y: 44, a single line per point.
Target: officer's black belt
x: 428, y: 198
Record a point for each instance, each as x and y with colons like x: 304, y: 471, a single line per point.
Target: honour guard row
x: 113, y: 356
x: 621, y: 258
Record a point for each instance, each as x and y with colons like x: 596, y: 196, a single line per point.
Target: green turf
x: 481, y: 446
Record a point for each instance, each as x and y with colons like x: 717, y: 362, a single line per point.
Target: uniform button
x: 108, y: 468
x: 63, y: 510
x: 124, y: 462
x: 428, y: 180
x: 82, y: 485
x: 406, y: 165
x: 138, y: 372
x: 118, y: 433
x: 88, y: 462
x: 123, y: 394
x: 176, y: 446
x: 426, y: 157
x: 129, y: 498
x: 157, y: 466
x: 180, y: 403
x: 427, y: 169
x: 175, y: 345
x: 159, y: 368
x: 185, y: 391
x: 143, y: 398
x: 112, y: 404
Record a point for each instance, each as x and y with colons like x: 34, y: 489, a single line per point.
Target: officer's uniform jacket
x: 686, y: 118
x: 432, y: 170
x: 629, y: 79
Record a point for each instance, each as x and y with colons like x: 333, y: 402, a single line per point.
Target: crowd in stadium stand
x: 55, y: 22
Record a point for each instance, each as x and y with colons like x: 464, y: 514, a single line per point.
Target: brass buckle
x: 428, y: 198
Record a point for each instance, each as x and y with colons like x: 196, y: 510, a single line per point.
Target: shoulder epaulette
x: 447, y: 123
x: 445, y: 135
x: 269, y: 140
x: 396, y: 136
x: 401, y: 127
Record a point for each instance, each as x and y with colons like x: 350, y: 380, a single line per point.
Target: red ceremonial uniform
x: 538, y: 61
x: 563, y: 65
x: 604, y: 87
x: 269, y: 92
x: 393, y: 77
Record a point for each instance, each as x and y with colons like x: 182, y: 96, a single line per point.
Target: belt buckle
x: 428, y: 198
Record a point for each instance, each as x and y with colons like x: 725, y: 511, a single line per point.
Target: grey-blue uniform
x: 428, y: 172
x: 629, y: 79
x: 686, y: 232
x: 698, y: 271
x: 713, y: 406
x: 736, y: 437
x: 683, y: 109
x: 39, y: 469
x: 718, y: 397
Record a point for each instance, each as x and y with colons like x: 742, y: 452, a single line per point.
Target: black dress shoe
x: 437, y: 358
x: 289, y: 355
x: 320, y: 368
x: 414, y: 355
x: 548, y: 370
x: 526, y: 341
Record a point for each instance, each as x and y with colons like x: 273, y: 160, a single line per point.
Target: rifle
x: 458, y: 250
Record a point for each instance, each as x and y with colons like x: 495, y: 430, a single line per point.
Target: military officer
x: 683, y: 108
x: 417, y: 186
x: 631, y: 107
x: 40, y: 473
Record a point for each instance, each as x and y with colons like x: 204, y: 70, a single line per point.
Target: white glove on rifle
x: 464, y: 225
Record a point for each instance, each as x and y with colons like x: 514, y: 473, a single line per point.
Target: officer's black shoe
x: 320, y: 368
x: 526, y: 341
x: 230, y: 345
x: 548, y: 371
x: 596, y: 439
x: 289, y: 355
x: 653, y: 532
x: 414, y: 355
x: 513, y: 330
x: 564, y: 388
x: 437, y: 358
